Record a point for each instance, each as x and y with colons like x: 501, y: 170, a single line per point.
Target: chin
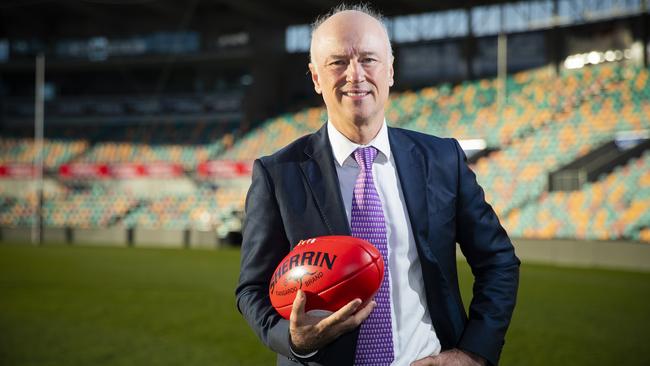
x: 359, y: 115
x: 361, y: 120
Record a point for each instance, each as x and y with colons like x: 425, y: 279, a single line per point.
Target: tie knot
x: 365, y: 156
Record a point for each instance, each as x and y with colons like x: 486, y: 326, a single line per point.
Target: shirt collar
x: 343, y: 148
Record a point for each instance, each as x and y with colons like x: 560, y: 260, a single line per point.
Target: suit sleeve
x: 264, y: 245
x: 494, y: 265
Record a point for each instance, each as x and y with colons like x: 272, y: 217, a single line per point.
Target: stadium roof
x: 24, y: 18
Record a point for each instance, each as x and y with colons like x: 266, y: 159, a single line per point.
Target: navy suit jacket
x: 295, y: 195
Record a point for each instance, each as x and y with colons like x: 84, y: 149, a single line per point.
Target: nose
x: 355, y: 72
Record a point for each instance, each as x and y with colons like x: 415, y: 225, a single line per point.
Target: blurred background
x: 131, y: 126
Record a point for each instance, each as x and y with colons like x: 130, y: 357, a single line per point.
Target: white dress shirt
x: 413, y: 334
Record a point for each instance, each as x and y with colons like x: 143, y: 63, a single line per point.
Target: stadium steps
x: 616, y: 206
x: 589, y: 167
x: 120, y: 217
x: 81, y: 154
x: 584, y: 121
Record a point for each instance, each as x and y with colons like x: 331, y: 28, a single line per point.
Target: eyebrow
x: 361, y: 54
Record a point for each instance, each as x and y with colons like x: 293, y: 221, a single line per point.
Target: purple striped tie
x: 375, y: 343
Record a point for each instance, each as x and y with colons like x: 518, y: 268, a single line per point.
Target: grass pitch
x: 126, y: 306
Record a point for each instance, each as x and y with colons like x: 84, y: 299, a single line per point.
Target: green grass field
x: 124, y: 306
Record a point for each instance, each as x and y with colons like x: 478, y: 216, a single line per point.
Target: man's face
x: 352, y: 68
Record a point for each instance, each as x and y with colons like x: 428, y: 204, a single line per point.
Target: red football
x: 331, y: 270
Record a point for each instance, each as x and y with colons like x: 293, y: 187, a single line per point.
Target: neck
x: 360, y: 134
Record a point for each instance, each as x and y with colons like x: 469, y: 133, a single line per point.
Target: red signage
x: 225, y: 169
x: 17, y: 171
x: 84, y: 170
x: 120, y: 170
x: 164, y: 170
x: 210, y: 169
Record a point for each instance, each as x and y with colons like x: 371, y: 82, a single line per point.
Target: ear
x: 391, y: 73
x: 314, y: 78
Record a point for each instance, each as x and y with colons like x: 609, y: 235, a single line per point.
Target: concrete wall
x: 629, y: 255
x: 16, y: 235
x: 175, y: 238
x: 117, y: 236
x: 24, y: 235
x: 158, y: 238
x: 54, y: 235
x: 108, y: 236
x: 204, y: 239
x: 626, y: 255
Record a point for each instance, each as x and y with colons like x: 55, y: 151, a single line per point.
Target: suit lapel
x: 320, y: 172
x: 411, y: 169
x: 411, y: 172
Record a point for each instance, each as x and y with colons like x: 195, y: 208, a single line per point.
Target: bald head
x: 352, y: 68
x: 345, y: 23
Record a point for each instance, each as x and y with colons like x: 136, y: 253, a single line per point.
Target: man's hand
x: 453, y: 357
x: 310, y: 333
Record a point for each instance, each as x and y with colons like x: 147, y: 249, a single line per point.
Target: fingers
x: 365, y: 311
x: 342, y: 314
x: 357, y: 318
x: 349, y: 309
x: 349, y: 317
x: 298, y: 308
x: 310, y: 332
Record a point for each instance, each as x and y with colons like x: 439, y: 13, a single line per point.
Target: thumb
x: 427, y: 361
x: 298, y: 307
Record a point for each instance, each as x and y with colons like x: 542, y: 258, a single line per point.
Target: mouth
x: 356, y: 94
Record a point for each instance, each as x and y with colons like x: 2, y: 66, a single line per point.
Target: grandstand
x: 535, y: 133
x: 169, y: 146
x: 155, y: 110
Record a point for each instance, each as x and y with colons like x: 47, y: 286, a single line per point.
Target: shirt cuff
x: 303, y: 356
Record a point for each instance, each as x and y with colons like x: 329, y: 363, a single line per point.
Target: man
x: 427, y: 201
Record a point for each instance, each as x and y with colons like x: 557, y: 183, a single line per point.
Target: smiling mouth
x: 356, y: 93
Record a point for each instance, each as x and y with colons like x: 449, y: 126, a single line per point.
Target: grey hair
x: 361, y: 7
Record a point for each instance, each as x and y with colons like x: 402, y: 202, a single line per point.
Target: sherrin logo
x: 309, y: 258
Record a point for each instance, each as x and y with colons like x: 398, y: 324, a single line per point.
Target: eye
x: 368, y: 60
x: 337, y: 63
